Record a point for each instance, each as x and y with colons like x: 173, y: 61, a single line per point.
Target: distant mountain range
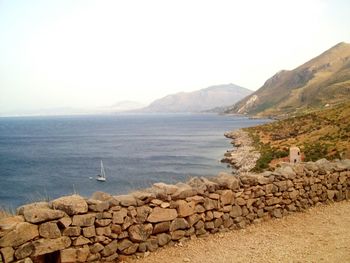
x: 200, y: 100
x: 322, y: 81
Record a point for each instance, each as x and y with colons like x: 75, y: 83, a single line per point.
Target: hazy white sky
x: 94, y: 53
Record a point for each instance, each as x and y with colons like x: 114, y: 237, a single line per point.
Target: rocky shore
x: 244, y: 156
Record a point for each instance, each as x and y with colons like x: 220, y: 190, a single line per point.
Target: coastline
x: 243, y: 156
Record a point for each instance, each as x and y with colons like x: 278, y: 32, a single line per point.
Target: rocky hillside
x: 320, y: 81
x: 320, y: 134
x: 200, y: 100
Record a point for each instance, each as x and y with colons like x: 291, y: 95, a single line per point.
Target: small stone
x: 178, y: 223
x: 161, y: 214
x: 49, y: 230
x: 126, y: 200
x: 7, y: 254
x: 83, y: 220
x: 184, y: 208
x: 24, y: 250
x: 163, y: 239
x: 81, y: 241
x: 161, y: 227
x: 110, y: 249
x: 139, y: 233
x: 227, y: 197
x: 118, y: 217
x: 72, y: 231
x: 95, y: 248
x: 186, y: 260
x: 89, y: 231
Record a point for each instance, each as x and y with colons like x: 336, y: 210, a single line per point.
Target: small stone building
x: 294, y: 154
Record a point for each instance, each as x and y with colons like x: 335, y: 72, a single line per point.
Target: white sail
x: 102, y: 176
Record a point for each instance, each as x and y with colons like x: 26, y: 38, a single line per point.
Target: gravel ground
x: 322, y: 234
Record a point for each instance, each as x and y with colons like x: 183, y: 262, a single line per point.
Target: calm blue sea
x: 46, y: 157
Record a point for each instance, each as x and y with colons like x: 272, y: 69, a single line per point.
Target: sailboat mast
x: 102, y: 170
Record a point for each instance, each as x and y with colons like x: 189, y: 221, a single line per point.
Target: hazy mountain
x: 120, y: 106
x: 125, y: 105
x: 200, y: 100
x: 323, y: 80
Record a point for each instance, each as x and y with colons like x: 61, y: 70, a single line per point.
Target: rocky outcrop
x: 244, y: 156
x: 115, y: 227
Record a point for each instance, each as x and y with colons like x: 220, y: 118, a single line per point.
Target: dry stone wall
x: 108, y: 228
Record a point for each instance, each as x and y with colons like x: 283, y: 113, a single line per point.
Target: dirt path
x: 321, y: 234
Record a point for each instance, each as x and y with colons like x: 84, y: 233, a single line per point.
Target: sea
x: 42, y: 158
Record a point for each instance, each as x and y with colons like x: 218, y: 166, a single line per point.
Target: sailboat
x: 102, y: 176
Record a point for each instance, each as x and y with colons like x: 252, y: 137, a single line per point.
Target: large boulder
x: 72, y: 205
x: 45, y: 246
x: 38, y: 215
x: 20, y: 210
x: 22, y: 233
x: 162, y: 214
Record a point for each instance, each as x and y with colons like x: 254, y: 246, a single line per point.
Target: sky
x: 71, y: 53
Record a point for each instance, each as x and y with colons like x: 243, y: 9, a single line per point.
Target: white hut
x: 294, y: 154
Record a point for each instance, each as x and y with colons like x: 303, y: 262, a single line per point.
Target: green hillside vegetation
x: 321, y: 81
x: 319, y: 134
